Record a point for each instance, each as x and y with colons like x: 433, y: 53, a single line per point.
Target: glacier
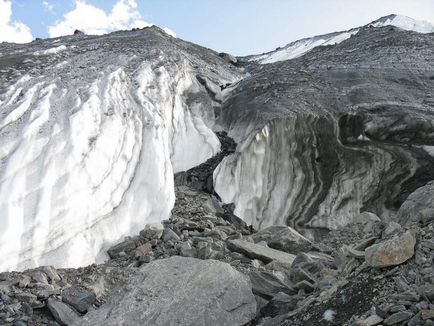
x: 92, y: 131
x: 342, y: 130
x: 94, y: 128
x: 303, y: 46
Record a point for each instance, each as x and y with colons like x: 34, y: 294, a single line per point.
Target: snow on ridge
x: 406, y: 23
x: 299, y: 48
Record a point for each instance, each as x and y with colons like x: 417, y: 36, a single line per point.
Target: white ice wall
x: 82, y: 165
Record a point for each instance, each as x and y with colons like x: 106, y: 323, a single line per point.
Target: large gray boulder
x: 179, y: 291
x: 418, y: 207
x: 283, y: 238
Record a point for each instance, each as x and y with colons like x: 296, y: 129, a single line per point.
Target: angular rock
x: 268, y: 284
x: 283, y: 238
x: 152, y: 231
x: 281, y: 303
x: 143, y: 250
x: 398, y: 317
x: 169, y: 234
x: 179, y: 291
x: 79, y: 299
x: 427, y: 314
x: 125, y: 246
x: 305, y: 285
x: 370, y: 321
x: 391, y: 229
x: 418, y: 207
x: 391, y: 252
x: 62, y: 312
x: 255, y: 251
x: 187, y: 250
x: 51, y: 272
x: 279, y: 267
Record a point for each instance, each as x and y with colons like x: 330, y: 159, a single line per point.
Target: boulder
x: 179, y: 291
x: 280, y: 304
x: 255, y: 251
x: 391, y: 252
x: 268, y: 284
x: 79, y: 299
x: 418, y: 207
x: 123, y: 247
x: 398, y: 318
x: 283, y: 238
x: 152, y: 231
x: 170, y: 235
x: 63, y: 314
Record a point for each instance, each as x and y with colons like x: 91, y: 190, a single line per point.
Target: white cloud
x: 12, y: 31
x: 48, y: 6
x: 93, y: 20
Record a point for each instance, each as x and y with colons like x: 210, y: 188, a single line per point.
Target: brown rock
x: 391, y: 252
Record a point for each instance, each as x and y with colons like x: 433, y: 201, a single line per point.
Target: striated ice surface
x: 92, y: 132
x: 346, y: 129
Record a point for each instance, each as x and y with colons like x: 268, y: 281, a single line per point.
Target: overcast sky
x: 237, y: 26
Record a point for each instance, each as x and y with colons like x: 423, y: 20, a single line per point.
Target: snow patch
x: 298, y: 48
x: 54, y: 50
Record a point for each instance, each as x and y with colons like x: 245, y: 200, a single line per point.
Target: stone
x: 281, y: 303
x: 78, y: 32
x: 364, y: 243
x: 51, y: 272
x: 179, y: 291
x: 283, y: 238
x: 204, y: 250
x: 398, y: 317
x: 415, y: 320
x: 187, y: 250
x: 268, y: 284
x: 371, y: 321
x: 152, y: 231
x: 255, y: 251
x: 355, y: 253
x: 62, y: 312
x: 428, y: 291
x: 279, y: 266
x: 305, y: 285
x: 143, y: 250
x: 418, y: 207
x: 427, y: 314
x: 79, y: 299
x: 123, y: 247
x: 25, y: 297
x: 39, y: 277
x: 391, y: 252
x: 170, y: 235
x: 24, y: 281
x: 391, y: 229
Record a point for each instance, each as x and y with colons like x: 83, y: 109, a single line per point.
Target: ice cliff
x: 92, y: 130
